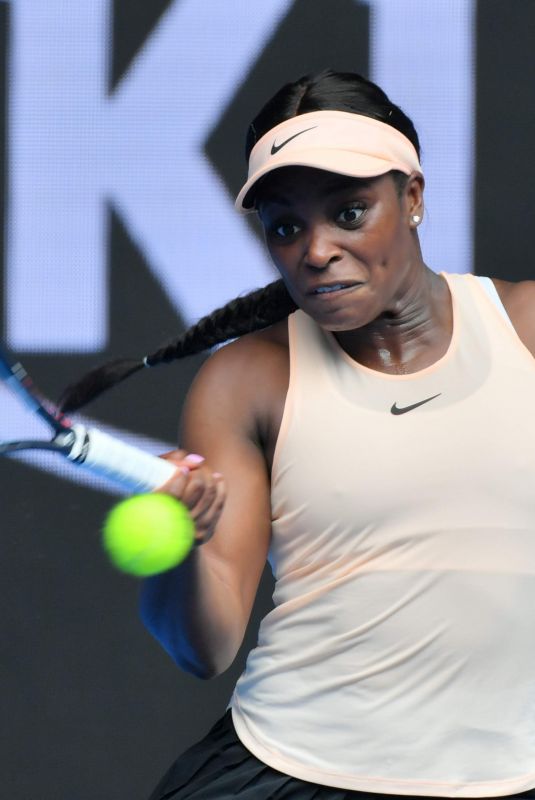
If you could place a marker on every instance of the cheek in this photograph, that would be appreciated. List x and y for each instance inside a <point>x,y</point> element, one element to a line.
<point>387,246</point>
<point>285,271</point>
<point>283,261</point>
<point>375,250</point>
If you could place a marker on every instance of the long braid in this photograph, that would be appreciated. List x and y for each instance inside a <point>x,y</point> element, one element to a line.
<point>252,312</point>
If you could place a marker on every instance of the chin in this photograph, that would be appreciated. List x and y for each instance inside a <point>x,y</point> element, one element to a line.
<point>339,317</point>
<point>337,323</point>
<point>347,312</point>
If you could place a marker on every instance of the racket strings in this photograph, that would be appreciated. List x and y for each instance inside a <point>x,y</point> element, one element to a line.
<point>21,427</point>
<point>50,413</point>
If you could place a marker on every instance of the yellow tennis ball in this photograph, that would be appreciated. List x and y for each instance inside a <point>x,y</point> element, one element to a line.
<point>148,533</point>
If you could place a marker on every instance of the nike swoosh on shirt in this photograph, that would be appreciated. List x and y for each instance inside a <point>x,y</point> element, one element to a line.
<point>396,410</point>
<point>276,147</point>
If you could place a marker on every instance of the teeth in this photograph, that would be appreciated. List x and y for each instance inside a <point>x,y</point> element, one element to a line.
<point>323,289</point>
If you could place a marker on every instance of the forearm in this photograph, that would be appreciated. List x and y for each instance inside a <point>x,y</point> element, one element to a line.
<point>195,615</point>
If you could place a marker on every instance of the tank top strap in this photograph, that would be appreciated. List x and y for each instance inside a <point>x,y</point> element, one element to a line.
<point>488,317</point>
<point>309,347</point>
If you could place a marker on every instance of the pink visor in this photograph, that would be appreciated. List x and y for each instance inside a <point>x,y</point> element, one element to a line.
<point>336,141</point>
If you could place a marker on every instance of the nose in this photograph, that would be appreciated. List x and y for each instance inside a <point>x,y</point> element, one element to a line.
<point>321,246</point>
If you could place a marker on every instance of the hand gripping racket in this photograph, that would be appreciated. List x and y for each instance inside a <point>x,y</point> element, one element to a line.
<point>99,452</point>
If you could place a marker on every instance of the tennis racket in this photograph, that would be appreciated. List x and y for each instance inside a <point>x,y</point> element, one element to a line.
<point>95,450</point>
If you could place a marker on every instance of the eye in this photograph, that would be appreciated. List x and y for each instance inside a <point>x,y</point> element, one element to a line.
<point>284,230</point>
<point>351,215</point>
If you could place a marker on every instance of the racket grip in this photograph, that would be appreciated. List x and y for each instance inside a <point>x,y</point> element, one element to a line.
<point>133,468</point>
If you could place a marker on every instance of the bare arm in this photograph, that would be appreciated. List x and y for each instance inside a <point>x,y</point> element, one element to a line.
<point>199,611</point>
<point>519,302</point>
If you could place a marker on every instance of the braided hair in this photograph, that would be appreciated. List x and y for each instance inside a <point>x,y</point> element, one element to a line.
<point>327,90</point>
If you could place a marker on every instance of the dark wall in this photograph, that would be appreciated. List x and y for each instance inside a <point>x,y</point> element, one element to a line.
<point>92,707</point>
<point>505,131</point>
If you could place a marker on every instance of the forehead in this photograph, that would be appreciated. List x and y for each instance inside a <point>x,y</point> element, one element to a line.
<point>287,184</point>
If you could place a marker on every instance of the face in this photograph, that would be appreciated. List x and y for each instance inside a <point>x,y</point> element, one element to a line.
<point>345,247</point>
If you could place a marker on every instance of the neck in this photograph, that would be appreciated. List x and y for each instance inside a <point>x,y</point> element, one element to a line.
<point>414,329</point>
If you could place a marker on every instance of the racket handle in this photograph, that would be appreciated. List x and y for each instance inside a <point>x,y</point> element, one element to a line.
<point>133,468</point>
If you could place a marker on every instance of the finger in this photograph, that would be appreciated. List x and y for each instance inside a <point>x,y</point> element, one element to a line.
<point>206,522</point>
<point>182,457</point>
<point>201,500</point>
<point>200,489</point>
<point>176,456</point>
<point>194,461</point>
<point>177,483</point>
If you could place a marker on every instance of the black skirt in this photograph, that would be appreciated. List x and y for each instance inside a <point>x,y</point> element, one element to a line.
<point>219,767</point>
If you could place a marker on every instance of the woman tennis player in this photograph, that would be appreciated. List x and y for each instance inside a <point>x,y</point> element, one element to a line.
<point>370,431</point>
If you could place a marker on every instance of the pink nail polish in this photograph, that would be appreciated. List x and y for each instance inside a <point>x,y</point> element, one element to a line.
<point>193,458</point>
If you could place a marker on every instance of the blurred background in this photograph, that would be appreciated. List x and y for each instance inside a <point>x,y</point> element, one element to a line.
<point>121,147</point>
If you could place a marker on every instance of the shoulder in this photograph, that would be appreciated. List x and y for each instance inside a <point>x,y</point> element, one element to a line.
<point>519,302</point>
<point>256,352</point>
<point>247,377</point>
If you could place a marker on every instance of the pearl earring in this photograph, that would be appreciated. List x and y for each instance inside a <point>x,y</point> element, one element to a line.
<point>416,219</point>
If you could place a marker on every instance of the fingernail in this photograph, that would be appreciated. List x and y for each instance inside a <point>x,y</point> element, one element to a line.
<point>193,458</point>
<point>184,470</point>
<point>217,474</point>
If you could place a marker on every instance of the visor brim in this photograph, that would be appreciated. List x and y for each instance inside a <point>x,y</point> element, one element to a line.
<point>341,162</point>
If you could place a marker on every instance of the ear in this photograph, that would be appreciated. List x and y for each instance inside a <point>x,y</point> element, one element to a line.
<point>414,199</point>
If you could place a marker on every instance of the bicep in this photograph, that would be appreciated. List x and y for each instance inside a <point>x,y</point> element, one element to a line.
<point>218,423</point>
<point>519,302</point>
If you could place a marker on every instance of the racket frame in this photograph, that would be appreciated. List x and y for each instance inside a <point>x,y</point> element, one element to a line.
<point>13,374</point>
<point>99,452</point>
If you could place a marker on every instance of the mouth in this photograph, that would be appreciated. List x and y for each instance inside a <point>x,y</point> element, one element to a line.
<point>333,288</point>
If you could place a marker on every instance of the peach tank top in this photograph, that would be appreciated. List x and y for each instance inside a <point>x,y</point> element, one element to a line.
<point>400,655</point>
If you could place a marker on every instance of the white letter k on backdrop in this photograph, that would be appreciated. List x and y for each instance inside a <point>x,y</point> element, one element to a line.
<point>72,147</point>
